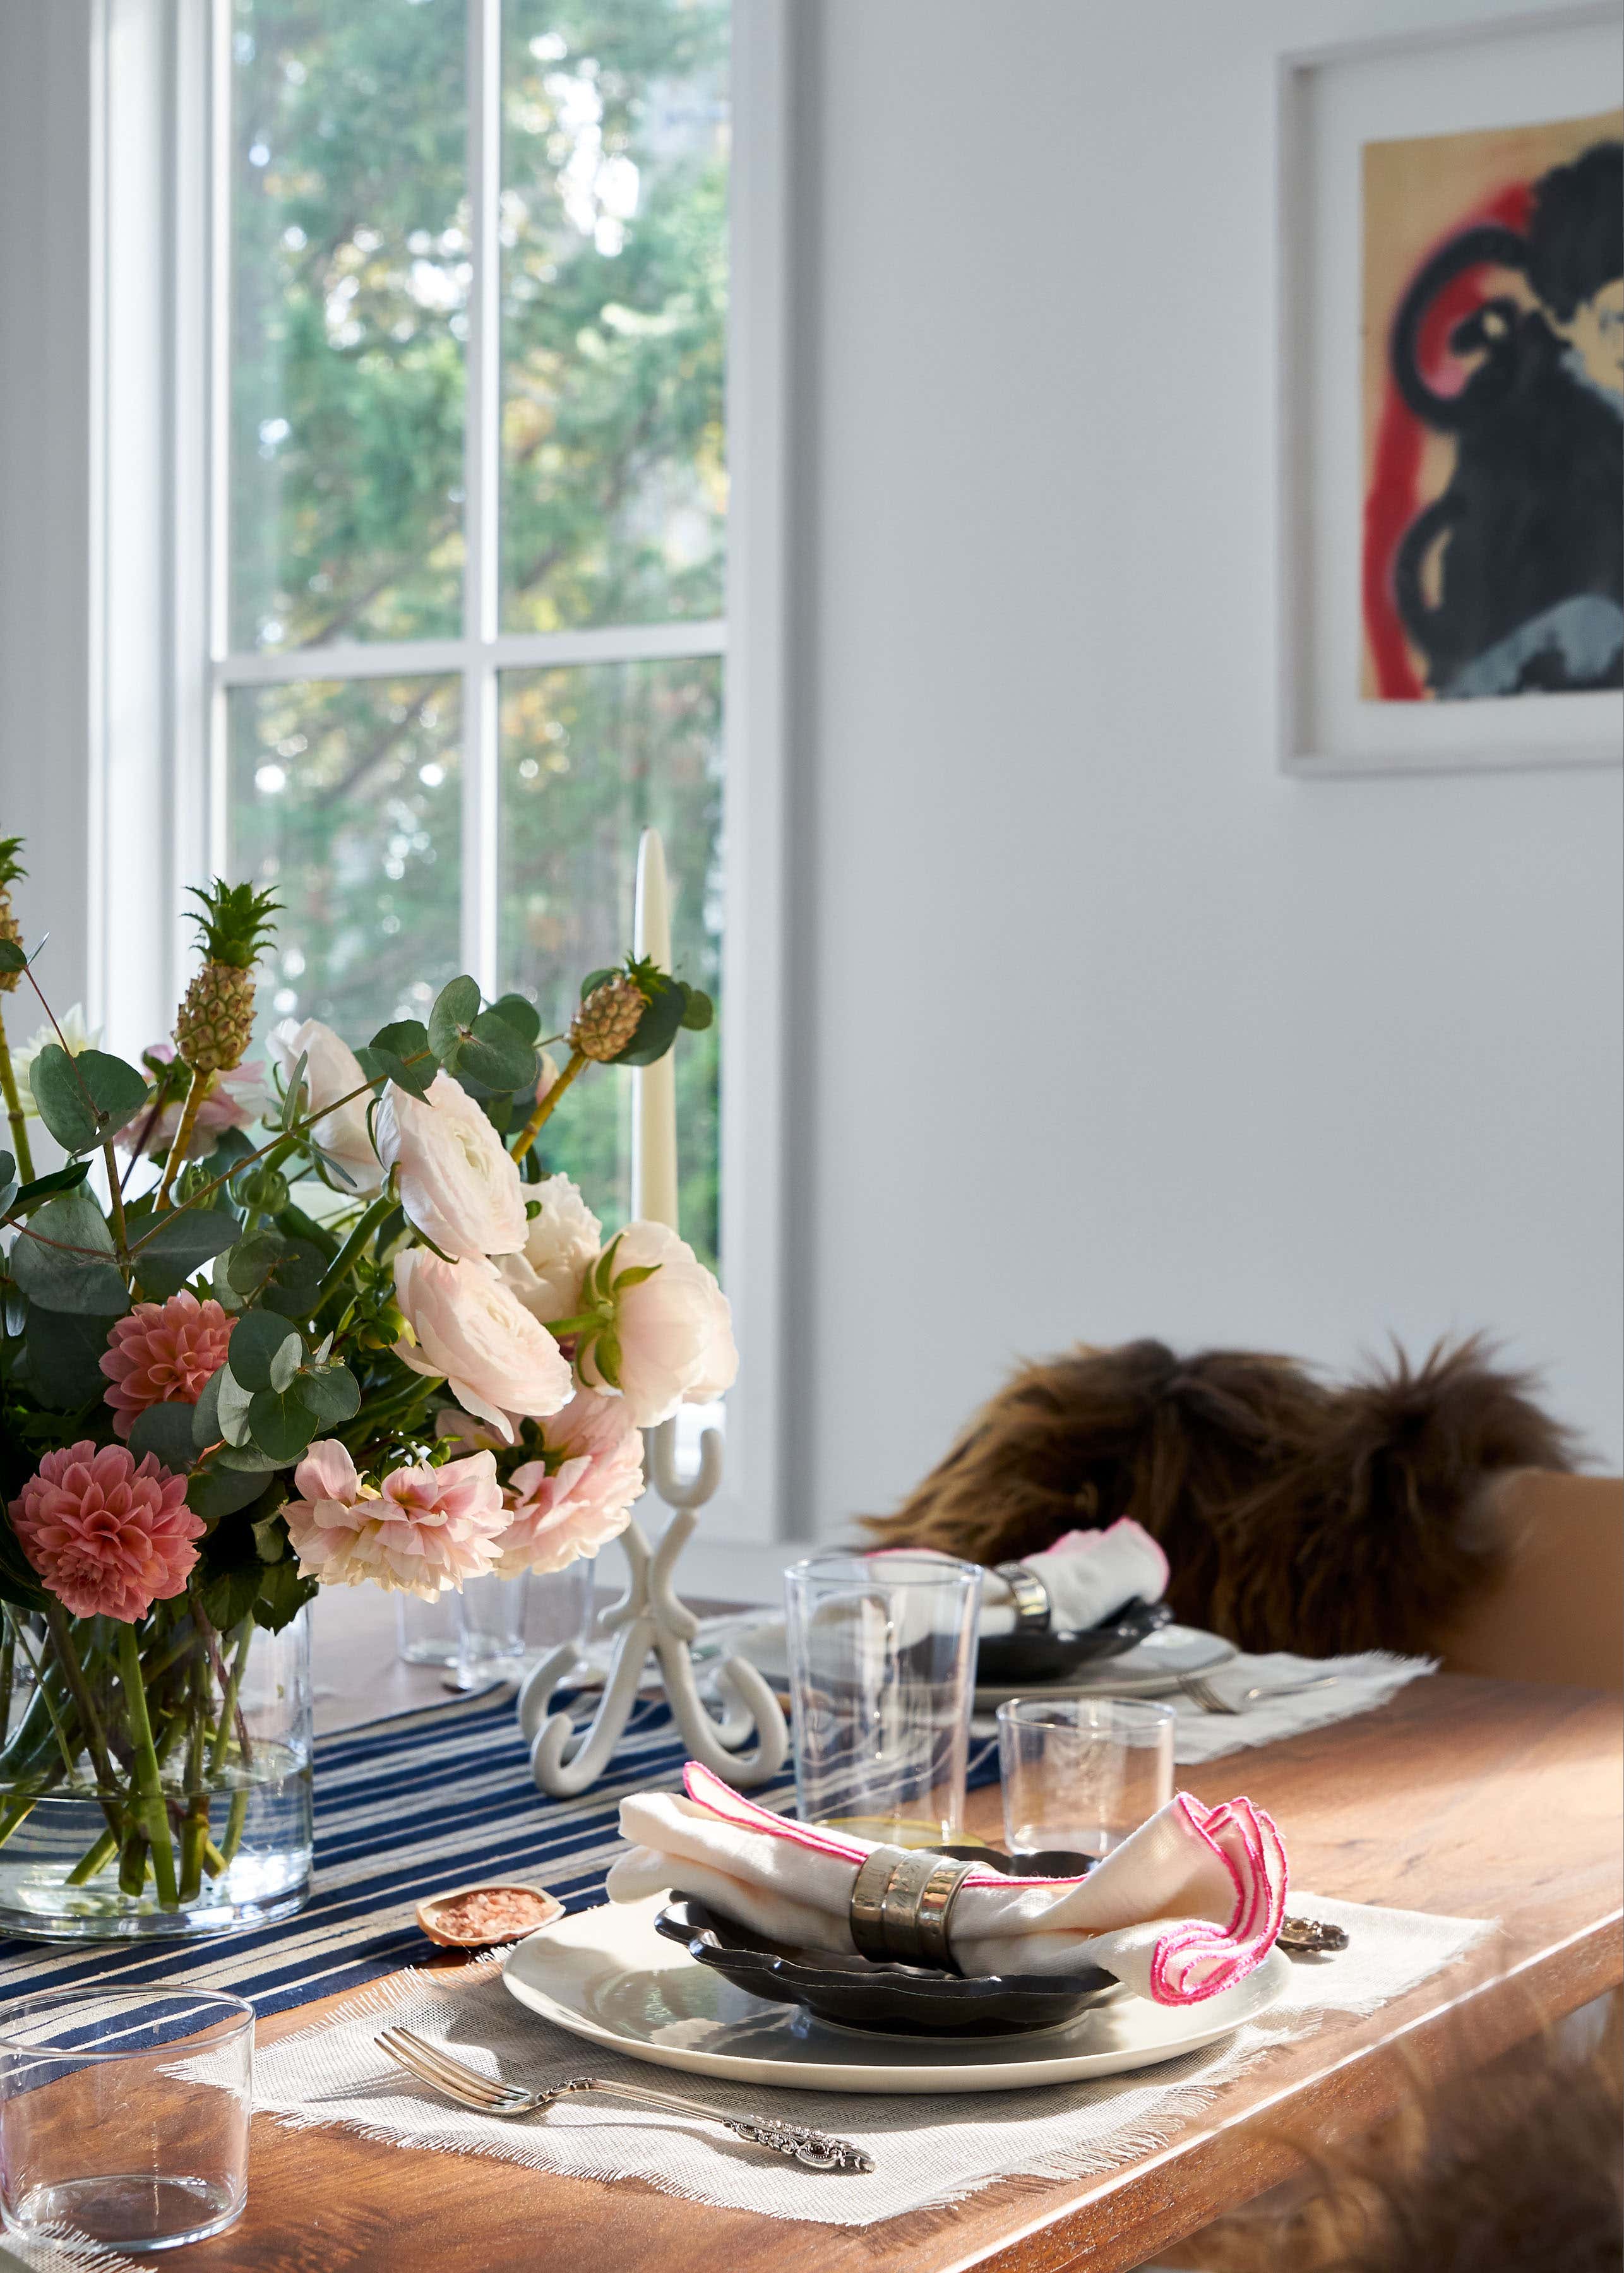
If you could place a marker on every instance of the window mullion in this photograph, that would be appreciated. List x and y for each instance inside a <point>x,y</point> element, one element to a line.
<point>481,469</point>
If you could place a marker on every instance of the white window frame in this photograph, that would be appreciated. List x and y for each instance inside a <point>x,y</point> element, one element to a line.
<point>158,142</point>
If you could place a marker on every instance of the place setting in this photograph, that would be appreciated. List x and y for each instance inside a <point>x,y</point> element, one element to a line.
<point>886,2007</point>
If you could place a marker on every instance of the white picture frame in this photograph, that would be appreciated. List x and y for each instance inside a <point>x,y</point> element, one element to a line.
<point>1561,62</point>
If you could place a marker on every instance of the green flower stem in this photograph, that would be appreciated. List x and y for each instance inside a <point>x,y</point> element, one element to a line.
<point>147,1778</point>
<point>228,1704</point>
<point>96,1859</point>
<point>338,1270</point>
<point>14,1109</point>
<point>213,1861</point>
<point>8,1662</point>
<point>116,1205</point>
<point>197,1090</point>
<point>132,1863</point>
<point>13,1811</point>
<point>90,1720</point>
<point>194,1825</point>
<point>533,1126</point>
<point>235,1822</point>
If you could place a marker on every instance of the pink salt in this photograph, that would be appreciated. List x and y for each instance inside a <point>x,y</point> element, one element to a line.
<point>493,1914</point>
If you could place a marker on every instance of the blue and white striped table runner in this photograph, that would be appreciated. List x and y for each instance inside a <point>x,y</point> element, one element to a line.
<point>404,1808</point>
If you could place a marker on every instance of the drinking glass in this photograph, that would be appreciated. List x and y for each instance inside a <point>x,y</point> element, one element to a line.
<point>882,1662</point>
<point>496,1625</point>
<point>123,2115</point>
<point>1081,1772</point>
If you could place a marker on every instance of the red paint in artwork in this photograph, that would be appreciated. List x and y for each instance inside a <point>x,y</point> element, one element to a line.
<point>1393,497</point>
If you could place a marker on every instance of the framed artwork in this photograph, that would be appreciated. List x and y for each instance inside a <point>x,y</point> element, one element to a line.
<point>1452,359</point>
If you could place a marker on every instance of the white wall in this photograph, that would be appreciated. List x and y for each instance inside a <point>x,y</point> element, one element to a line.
<point>1105,1027</point>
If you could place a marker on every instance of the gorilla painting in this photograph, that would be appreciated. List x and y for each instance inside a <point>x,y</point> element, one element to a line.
<point>1494,412</point>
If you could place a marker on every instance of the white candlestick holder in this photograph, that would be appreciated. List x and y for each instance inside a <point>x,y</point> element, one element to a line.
<point>749,1744</point>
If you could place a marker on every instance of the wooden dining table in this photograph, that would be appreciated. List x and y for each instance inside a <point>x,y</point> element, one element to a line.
<point>1465,1797</point>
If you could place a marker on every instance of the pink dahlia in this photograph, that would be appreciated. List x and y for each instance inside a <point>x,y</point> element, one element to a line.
<point>425,1530</point>
<point>109,1538</point>
<point>163,1353</point>
<point>585,1502</point>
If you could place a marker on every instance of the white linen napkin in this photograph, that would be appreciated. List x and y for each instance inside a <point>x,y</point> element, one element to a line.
<point>1087,1575</point>
<point>1186,1906</point>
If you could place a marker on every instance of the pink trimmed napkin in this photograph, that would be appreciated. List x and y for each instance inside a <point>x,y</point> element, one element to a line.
<point>1185,1907</point>
<point>1088,1576</point>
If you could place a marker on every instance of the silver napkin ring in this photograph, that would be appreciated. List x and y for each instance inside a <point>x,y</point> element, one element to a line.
<point>1032,1608</point>
<point>902,1898</point>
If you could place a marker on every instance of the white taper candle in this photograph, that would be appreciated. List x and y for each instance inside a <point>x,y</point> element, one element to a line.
<point>654,1121</point>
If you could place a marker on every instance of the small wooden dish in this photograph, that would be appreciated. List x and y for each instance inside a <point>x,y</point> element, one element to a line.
<point>453,1935</point>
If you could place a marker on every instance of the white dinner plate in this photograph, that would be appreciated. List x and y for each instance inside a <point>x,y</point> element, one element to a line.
<point>608,1976</point>
<point>1153,1667</point>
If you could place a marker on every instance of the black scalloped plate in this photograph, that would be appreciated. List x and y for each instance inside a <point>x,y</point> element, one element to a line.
<point>854,1993</point>
<point>1017,1657</point>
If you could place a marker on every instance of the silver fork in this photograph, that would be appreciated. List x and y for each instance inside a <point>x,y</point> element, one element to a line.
<point>1202,1692</point>
<point>819,2150</point>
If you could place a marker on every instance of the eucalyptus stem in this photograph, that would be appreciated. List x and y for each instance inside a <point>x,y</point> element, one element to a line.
<point>116,1206</point>
<point>8,1662</point>
<point>194,1825</point>
<point>14,1108</point>
<point>90,1719</point>
<point>13,1811</point>
<point>227,1702</point>
<point>148,1782</point>
<point>198,1089</point>
<point>533,1126</point>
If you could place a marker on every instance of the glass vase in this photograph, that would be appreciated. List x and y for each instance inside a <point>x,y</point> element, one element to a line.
<point>154,1777</point>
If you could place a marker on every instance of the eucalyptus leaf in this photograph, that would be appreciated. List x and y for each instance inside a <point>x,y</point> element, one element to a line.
<point>87,1098</point>
<point>247,1460</point>
<point>518,1012</point>
<point>20,1582</point>
<point>456,1006</point>
<point>390,1053</point>
<point>8,1181</point>
<point>60,1180</point>
<point>56,1277</point>
<point>270,1535</point>
<point>296,1279</point>
<point>283,1594</point>
<point>165,1429</point>
<point>65,1353</point>
<point>205,1423</point>
<point>282,1424</point>
<point>182,1243</point>
<point>231,1404</point>
<point>494,1056</point>
<point>698,1011</point>
<point>11,956</point>
<point>215,1491</point>
<point>260,1340</point>
<point>331,1392</point>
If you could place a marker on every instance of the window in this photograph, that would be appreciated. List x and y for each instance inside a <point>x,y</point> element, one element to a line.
<point>470,517</point>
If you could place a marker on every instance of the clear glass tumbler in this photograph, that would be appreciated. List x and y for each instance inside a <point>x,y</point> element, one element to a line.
<point>496,1625</point>
<point>123,2115</point>
<point>1081,1772</point>
<point>882,1665</point>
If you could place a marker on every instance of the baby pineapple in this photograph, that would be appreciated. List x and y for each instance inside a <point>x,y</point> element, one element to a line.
<point>608,1019</point>
<point>11,869</point>
<point>216,1018</point>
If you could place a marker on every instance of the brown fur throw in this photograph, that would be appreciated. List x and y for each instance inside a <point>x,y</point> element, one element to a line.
<point>1296,1514</point>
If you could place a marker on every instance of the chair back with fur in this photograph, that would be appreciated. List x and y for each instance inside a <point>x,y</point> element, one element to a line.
<point>1295,1513</point>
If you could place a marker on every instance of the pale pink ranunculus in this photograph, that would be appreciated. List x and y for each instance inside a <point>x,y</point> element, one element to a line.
<point>109,1537</point>
<point>456,1181</point>
<point>163,1353</point>
<point>479,1340</point>
<point>675,1329</point>
<point>332,1070</point>
<point>588,1498</point>
<point>559,1244</point>
<point>424,1531</point>
<point>236,1099</point>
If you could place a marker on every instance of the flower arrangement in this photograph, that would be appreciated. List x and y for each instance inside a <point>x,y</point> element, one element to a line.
<point>323,1321</point>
